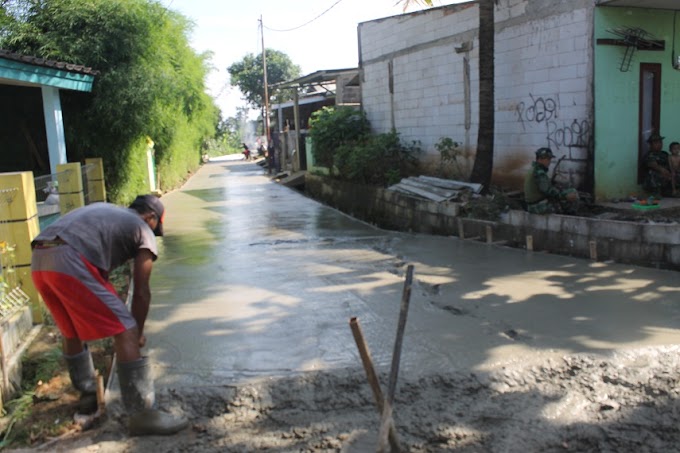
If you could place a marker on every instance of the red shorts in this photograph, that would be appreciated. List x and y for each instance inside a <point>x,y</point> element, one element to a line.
<point>84,304</point>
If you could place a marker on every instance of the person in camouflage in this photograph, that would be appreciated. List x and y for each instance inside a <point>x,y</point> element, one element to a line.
<point>658,179</point>
<point>540,194</point>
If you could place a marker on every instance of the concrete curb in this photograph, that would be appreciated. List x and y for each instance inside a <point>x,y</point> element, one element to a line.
<point>645,244</point>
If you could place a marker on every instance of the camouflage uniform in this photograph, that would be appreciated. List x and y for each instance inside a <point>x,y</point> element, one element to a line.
<point>654,183</point>
<point>542,197</point>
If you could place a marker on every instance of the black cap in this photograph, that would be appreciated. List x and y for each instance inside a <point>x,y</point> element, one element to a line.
<point>146,203</point>
<point>655,137</point>
<point>542,153</point>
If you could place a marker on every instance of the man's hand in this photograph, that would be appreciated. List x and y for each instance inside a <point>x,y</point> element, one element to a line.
<point>142,341</point>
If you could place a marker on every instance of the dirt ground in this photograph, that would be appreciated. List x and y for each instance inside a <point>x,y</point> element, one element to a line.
<point>44,407</point>
<point>627,402</point>
<point>47,404</point>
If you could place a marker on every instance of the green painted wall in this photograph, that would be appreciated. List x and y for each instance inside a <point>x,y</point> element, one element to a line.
<point>617,97</point>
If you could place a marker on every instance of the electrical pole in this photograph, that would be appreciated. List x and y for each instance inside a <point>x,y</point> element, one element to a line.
<point>266,90</point>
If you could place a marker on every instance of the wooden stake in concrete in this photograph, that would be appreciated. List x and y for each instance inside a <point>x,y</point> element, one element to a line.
<point>372,376</point>
<point>386,419</point>
<point>593,250</point>
<point>489,234</point>
<point>101,401</point>
<point>461,231</point>
<point>530,243</point>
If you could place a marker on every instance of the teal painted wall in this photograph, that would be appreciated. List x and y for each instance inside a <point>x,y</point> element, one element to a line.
<point>617,97</point>
<point>310,159</point>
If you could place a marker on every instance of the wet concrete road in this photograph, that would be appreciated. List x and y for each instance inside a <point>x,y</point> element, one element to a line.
<point>256,280</point>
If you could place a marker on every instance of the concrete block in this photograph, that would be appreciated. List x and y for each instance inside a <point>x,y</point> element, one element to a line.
<point>70,178</point>
<point>564,73</point>
<point>431,221</point>
<point>379,193</point>
<point>538,222</point>
<point>431,206</point>
<point>575,225</point>
<point>581,44</point>
<point>673,255</point>
<point>449,209</point>
<point>612,229</point>
<point>554,222</point>
<point>20,235</point>
<point>517,218</point>
<point>95,169</point>
<point>572,58</point>
<point>96,191</point>
<point>17,196</point>
<point>565,45</point>
<point>389,195</point>
<point>661,234</point>
<point>578,153</point>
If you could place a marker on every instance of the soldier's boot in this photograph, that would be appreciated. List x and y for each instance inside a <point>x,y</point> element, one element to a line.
<point>83,378</point>
<point>138,394</point>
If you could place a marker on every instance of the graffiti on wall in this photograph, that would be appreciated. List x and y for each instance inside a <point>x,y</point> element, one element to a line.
<point>545,112</point>
<point>538,110</point>
<point>574,135</point>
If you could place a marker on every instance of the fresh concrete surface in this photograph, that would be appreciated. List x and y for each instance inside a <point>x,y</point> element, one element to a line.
<point>256,280</point>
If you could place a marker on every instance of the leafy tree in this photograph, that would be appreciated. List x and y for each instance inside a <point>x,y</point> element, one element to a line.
<point>151,83</point>
<point>5,16</point>
<point>229,131</point>
<point>248,76</point>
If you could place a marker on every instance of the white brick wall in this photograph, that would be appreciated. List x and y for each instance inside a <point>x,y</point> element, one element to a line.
<point>543,78</point>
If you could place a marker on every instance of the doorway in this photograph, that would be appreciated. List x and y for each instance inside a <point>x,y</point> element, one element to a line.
<point>650,110</point>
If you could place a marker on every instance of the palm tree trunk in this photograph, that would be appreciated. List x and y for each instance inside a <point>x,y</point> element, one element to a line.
<point>483,166</point>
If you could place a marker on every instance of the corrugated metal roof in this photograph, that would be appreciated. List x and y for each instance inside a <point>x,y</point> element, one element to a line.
<point>435,189</point>
<point>317,77</point>
<point>53,64</point>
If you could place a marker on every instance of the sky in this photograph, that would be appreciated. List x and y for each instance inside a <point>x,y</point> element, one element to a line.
<point>230,30</point>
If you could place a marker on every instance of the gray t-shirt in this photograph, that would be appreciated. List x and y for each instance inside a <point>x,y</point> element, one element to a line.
<point>105,234</point>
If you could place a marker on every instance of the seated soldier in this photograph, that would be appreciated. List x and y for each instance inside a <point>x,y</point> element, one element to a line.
<point>674,164</point>
<point>658,179</point>
<point>540,194</point>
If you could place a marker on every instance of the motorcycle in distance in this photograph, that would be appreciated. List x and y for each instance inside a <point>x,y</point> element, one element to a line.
<point>246,152</point>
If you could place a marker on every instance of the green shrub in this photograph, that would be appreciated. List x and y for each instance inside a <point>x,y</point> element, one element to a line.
<point>334,127</point>
<point>342,143</point>
<point>133,181</point>
<point>449,152</point>
<point>182,156</point>
<point>379,160</point>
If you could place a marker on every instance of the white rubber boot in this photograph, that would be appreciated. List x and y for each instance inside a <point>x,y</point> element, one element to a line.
<point>137,391</point>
